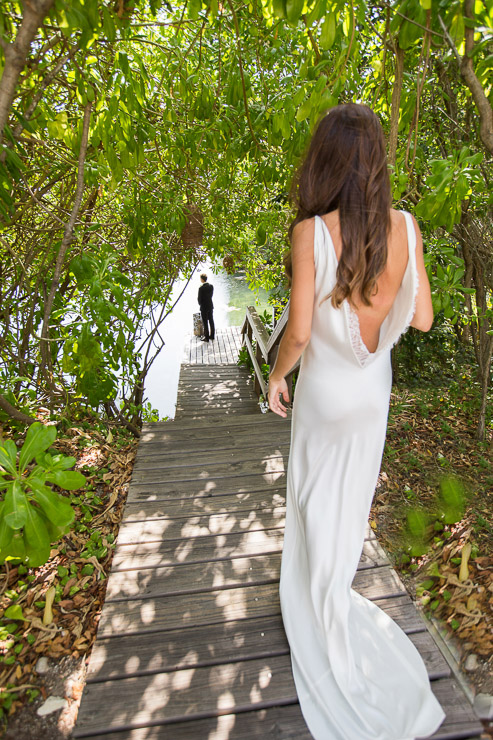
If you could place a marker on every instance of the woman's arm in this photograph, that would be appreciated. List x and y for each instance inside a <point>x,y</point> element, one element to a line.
<point>298,328</point>
<point>423,315</point>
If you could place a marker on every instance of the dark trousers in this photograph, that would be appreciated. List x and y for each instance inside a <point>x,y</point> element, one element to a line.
<point>208,322</point>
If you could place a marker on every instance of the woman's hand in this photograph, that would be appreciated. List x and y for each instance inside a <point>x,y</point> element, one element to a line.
<point>277,387</point>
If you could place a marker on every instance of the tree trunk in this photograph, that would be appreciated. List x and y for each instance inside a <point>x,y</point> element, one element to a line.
<point>16,54</point>
<point>472,82</point>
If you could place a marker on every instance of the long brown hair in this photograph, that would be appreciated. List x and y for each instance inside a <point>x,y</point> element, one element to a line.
<point>345,168</point>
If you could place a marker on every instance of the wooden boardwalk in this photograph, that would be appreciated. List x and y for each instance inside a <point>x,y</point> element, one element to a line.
<point>207,392</point>
<point>191,644</point>
<point>224,349</point>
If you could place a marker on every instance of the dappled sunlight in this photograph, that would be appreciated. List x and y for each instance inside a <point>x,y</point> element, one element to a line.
<point>232,603</point>
<point>221,524</point>
<point>225,724</point>
<point>182,679</point>
<point>183,550</point>
<point>274,466</point>
<point>132,664</point>
<point>147,612</point>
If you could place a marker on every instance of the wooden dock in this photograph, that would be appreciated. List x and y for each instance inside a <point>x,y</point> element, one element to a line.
<point>224,349</point>
<point>191,644</point>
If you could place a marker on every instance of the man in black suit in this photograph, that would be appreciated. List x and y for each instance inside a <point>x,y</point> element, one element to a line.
<point>206,308</point>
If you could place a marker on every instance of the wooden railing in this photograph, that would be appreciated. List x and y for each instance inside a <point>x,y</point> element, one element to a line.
<point>266,347</point>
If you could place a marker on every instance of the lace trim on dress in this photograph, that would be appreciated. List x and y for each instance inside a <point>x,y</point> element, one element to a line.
<point>360,349</point>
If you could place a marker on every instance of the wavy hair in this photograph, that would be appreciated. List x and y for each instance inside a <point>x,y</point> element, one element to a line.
<point>345,168</point>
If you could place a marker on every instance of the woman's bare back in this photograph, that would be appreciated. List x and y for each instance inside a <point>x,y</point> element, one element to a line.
<point>372,317</point>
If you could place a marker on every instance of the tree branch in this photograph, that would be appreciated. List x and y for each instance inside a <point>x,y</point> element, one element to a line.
<point>66,241</point>
<point>15,413</point>
<point>240,62</point>
<point>469,77</point>
<point>396,100</point>
<point>16,54</point>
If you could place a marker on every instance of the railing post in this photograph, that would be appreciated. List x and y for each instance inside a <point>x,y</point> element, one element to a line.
<point>260,360</point>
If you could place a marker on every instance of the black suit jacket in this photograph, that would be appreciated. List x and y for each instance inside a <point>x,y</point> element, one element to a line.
<point>205,296</point>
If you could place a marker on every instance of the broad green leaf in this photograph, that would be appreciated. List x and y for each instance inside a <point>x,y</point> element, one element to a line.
<point>304,110</point>
<point>36,538</point>
<point>328,33</point>
<point>71,480</point>
<point>15,508</point>
<point>55,462</point>
<point>319,10</point>
<point>55,507</point>
<point>294,9</point>
<point>6,533</point>
<point>8,456</point>
<point>279,8</point>
<point>38,439</point>
<point>17,548</point>
<point>14,612</point>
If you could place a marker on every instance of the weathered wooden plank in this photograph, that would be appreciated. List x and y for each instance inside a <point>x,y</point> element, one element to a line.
<point>182,450</point>
<point>187,442</point>
<point>195,692</point>
<point>226,573</point>
<point>218,605</point>
<point>183,610</point>
<point>461,721</point>
<point>198,577</point>
<point>194,394</point>
<point>281,722</point>
<point>254,541</point>
<point>171,508</point>
<point>225,522</point>
<point>273,464</point>
<point>213,644</point>
<point>152,491</point>
<point>134,655</point>
<point>215,401</point>
<point>166,430</point>
<point>172,696</point>
<point>221,458</point>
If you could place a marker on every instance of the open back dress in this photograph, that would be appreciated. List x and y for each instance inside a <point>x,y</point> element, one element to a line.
<point>357,675</point>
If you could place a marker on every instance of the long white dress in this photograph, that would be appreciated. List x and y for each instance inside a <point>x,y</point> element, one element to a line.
<point>357,675</point>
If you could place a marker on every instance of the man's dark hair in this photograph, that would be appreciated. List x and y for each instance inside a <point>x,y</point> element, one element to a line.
<point>203,277</point>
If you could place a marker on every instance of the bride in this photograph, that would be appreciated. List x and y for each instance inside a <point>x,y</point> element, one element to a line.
<point>358,282</point>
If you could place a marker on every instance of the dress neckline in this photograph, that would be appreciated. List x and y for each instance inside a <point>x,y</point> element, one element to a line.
<point>360,349</point>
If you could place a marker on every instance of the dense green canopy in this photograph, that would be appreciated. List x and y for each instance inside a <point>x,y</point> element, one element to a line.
<point>121,121</point>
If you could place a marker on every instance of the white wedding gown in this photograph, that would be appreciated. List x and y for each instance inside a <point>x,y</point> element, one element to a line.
<point>357,675</point>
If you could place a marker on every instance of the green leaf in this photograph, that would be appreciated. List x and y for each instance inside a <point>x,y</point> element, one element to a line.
<point>38,439</point>
<point>55,462</point>
<point>8,456</point>
<point>71,480</point>
<point>279,8</point>
<point>328,33</point>
<point>55,507</point>
<point>6,532</point>
<point>319,10</point>
<point>15,507</point>
<point>294,9</point>
<point>36,538</point>
<point>14,612</point>
<point>304,110</point>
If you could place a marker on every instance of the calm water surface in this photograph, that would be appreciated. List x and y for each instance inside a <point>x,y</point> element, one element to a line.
<point>231,297</point>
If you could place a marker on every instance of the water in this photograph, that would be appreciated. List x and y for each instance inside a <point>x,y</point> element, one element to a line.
<point>231,297</point>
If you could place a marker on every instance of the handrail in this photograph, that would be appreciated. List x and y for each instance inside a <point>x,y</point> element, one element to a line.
<point>279,328</point>
<point>266,346</point>
<point>259,331</point>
